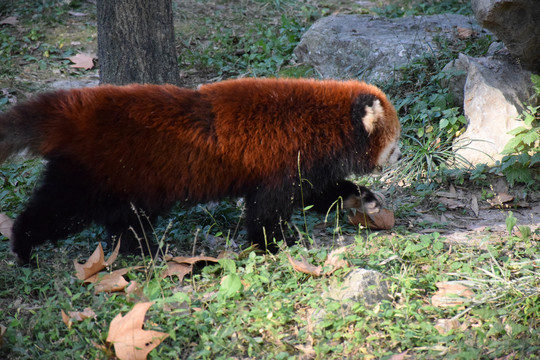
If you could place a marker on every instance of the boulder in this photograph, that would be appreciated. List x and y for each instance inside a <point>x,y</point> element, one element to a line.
<point>516,23</point>
<point>494,91</point>
<point>371,47</point>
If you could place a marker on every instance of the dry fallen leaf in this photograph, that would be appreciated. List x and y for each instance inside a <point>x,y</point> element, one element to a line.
<point>400,356</point>
<point>305,267</point>
<point>95,263</point>
<point>2,332</point>
<point>500,199</point>
<point>182,265</point>
<point>10,20</point>
<point>452,203</point>
<point>6,224</point>
<point>451,193</point>
<point>76,316</point>
<point>443,326</point>
<point>111,282</point>
<point>382,220</point>
<point>130,341</point>
<point>90,272</point>
<point>451,293</point>
<point>83,61</point>
<point>474,205</point>
<point>465,33</point>
<point>192,260</point>
<point>335,260</point>
<point>180,270</point>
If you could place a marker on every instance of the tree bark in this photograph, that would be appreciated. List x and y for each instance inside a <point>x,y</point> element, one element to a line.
<point>136,42</point>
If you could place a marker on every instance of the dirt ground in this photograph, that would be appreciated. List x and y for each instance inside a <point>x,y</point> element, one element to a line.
<point>471,218</point>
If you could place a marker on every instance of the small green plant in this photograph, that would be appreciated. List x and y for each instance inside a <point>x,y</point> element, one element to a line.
<point>523,231</point>
<point>419,7</point>
<point>523,150</point>
<point>430,120</point>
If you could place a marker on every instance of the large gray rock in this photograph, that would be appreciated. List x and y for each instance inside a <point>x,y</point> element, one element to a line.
<point>516,23</point>
<point>493,94</point>
<point>369,47</point>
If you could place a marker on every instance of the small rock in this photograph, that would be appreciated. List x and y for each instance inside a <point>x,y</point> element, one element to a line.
<point>360,285</point>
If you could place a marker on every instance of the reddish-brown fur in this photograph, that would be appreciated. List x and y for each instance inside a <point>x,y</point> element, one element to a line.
<point>156,145</point>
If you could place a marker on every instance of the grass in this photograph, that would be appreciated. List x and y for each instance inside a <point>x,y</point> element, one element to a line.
<point>271,314</point>
<point>256,306</point>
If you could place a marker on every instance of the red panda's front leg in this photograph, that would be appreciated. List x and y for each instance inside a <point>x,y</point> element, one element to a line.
<point>344,193</point>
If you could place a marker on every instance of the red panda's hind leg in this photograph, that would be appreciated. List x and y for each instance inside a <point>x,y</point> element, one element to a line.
<point>267,214</point>
<point>67,200</point>
<point>56,210</point>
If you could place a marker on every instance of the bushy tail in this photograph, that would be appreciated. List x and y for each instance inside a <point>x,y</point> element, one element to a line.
<point>18,131</point>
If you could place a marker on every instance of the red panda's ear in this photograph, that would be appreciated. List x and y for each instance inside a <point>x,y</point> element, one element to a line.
<point>374,113</point>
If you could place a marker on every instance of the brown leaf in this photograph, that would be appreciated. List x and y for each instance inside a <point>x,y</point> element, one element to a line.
<point>382,220</point>
<point>10,20</point>
<point>66,319</point>
<point>451,203</point>
<point>95,263</point>
<point>129,339</point>
<point>500,199</point>
<point>451,193</point>
<point>92,266</point>
<point>192,260</point>
<point>176,269</point>
<point>474,205</point>
<point>451,293</point>
<point>400,356</point>
<point>2,332</point>
<point>76,316</point>
<point>465,33</point>
<point>444,326</point>
<point>335,260</point>
<point>110,282</point>
<point>6,224</point>
<point>83,61</point>
<point>114,255</point>
<point>305,267</point>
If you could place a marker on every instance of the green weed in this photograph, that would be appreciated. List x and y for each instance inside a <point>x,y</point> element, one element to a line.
<point>520,165</point>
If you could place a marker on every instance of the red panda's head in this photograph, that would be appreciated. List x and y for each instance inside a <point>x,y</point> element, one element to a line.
<point>381,125</point>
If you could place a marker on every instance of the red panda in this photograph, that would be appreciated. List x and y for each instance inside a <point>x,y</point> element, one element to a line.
<point>111,148</point>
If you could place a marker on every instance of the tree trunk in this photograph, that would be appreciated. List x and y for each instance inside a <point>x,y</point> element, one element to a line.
<point>136,42</point>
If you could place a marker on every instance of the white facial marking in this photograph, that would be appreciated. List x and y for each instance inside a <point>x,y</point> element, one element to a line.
<point>390,154</point>
<point>373,114</point>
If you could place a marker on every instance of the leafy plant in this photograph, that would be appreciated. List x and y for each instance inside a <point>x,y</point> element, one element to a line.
<point>418,7</point>
<point>523,150</point>
<point>255,50</point>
